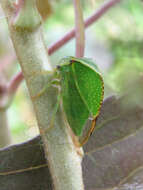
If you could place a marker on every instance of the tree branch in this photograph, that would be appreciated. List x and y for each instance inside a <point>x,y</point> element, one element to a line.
<point>63,160</point>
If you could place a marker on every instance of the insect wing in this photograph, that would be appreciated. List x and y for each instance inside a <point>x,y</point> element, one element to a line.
<point>89,83</point>
<point>74,107</point>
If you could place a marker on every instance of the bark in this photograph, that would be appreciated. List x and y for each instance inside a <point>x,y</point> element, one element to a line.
<point>61,154</point>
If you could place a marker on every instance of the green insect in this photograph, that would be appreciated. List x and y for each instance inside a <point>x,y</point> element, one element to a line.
<point>81,91</point>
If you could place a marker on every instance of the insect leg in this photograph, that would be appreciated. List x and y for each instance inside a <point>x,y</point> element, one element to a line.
<point>42,91</point>
<point>52,81</point>
<point>51,125</point>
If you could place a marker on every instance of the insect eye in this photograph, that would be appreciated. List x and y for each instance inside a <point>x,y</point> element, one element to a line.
<point>58,67</point>
<point>71,61</point>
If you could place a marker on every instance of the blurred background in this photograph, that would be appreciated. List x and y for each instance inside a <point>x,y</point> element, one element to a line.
<point>115,42</point>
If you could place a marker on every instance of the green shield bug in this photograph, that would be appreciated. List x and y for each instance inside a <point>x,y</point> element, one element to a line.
<point>81,91</point>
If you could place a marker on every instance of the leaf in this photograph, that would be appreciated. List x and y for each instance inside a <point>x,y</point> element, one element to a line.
<point>115,150</point>
<point>113,155</point>
<point>133,181</point>
<point>115,122</point>
<point>23,156</point>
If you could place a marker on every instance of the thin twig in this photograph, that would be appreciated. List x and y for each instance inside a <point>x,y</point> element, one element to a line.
<point>9,91</point>
<point>6,62</point>
<point>90,20</point>
<point>79,29</point>
<point>14,83</point>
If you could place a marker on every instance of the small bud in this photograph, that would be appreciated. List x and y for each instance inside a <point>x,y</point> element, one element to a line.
<point>27,16</point>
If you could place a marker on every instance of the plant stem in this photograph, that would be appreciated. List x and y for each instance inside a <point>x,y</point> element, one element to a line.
<point>14,84</point>
<point>63,160</point>
<point>5,137</point>
<point>79,28</point>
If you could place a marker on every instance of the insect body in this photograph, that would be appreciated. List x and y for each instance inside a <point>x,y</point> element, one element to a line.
<point>81,91</point>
